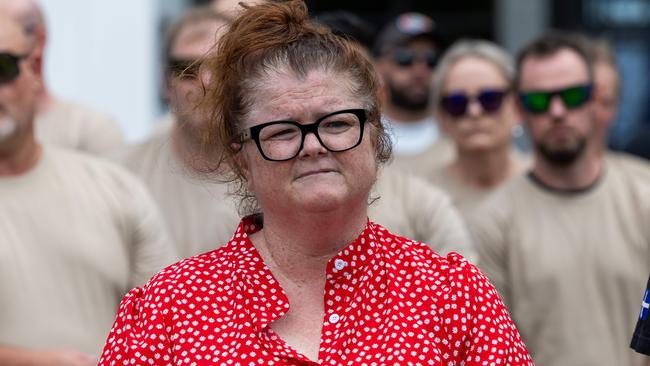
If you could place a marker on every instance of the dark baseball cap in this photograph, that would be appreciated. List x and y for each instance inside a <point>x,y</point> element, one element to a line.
<point>404,28</point>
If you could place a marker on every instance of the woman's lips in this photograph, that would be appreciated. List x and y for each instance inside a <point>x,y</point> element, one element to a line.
<point>314,172</point>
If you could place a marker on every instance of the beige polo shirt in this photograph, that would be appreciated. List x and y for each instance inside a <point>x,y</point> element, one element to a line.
<point>571,266</point>
<point>441,153</point>
<point>199,212</point>
<point>74,126</point>
<point>410,207</point>
<point>76,233</point>
<point>464,197</point>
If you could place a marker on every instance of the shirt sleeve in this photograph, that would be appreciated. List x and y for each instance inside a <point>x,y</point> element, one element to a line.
<point>150,246</point>
<point>437,221</point>
<point>487,227</point>
<point>139,335</point>
<point>479,325</point>
<point>102,135</point>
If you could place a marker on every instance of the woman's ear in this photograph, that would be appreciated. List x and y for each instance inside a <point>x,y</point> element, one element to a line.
<point>241,159</point>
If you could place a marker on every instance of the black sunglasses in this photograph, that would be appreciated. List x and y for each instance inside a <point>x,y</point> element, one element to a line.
<point>9,67</point>
<point>539,101</point>
<point>455,104</point>
<point>183,68</point>
<point>405,57</point>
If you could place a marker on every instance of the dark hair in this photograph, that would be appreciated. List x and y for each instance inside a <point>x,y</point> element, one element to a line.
<point>549,44</point>
<point>264,39</point>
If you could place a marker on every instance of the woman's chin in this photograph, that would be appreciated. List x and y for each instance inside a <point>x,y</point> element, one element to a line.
<point>323,200</point>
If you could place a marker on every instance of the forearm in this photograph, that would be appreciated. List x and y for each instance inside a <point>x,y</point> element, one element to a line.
<point>11,356</point>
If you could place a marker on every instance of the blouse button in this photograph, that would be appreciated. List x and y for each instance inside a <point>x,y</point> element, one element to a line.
<point>334,318</point>
<point>339,264</point>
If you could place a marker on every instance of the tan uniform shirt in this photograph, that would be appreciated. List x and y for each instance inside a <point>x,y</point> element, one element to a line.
<point>410,207</point>
<point>76,233</point>
<point>466,198</point>
<point>570,266</point>
<point>439,154</point>
<point>199,213</point>
<point>77,127</point>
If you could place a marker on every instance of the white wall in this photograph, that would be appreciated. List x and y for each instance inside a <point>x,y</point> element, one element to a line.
<point>104,53</point>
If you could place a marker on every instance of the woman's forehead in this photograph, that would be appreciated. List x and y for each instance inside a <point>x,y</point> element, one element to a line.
<point>287,96</point>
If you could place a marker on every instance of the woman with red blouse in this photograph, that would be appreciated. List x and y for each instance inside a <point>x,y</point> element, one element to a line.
<point>307,279</point>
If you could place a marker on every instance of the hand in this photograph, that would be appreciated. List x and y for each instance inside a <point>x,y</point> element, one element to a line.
<point>64,357</point>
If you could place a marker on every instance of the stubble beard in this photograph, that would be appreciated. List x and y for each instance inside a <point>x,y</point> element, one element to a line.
<point>565,156</point>
<point>401,99</point>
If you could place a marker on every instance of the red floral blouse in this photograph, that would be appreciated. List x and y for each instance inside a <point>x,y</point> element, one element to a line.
<point>388,301</point>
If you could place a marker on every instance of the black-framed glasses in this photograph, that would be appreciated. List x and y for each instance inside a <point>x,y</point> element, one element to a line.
<point>9,66</point>
<point>539,101</point>
<point>282,140</point>
<point>405,57</point>
<point>455,104</point>
<point>184,68</point>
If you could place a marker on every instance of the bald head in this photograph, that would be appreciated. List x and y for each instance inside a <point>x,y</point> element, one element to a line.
<point>28,14</point>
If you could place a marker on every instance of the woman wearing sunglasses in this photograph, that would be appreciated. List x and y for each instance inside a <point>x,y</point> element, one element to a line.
<point>307,279</point>
<point>475,107</point>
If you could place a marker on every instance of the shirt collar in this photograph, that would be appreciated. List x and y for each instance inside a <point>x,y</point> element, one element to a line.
<point>264,299</point>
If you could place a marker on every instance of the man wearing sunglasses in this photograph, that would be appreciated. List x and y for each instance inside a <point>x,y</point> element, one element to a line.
<point>76,232</point>
<point>60,122</point>
<point>406,52</point>
<point>198,213</point>
<point>567,245</point>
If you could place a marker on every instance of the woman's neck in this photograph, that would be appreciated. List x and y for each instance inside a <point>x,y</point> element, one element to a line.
<point>299,245</point>
<point>484,170</point>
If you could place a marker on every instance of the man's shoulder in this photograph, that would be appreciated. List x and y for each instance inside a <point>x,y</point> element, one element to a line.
<point>632,166</point>
<point>138,156</point>
<point>79,112</point>
<point>393,180</point>
<point>84,167</point>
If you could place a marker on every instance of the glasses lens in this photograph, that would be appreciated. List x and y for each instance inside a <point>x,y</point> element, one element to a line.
<point>280,140</point>
<point>340,132</point>
<point>576,96</point>
<point>403,57</point>
<point>454,104</point>
<point>9,69</point>
<point>491,100</point>
<point>536,102</point>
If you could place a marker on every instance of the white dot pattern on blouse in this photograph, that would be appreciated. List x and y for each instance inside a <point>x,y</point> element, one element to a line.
<point>388,301</point>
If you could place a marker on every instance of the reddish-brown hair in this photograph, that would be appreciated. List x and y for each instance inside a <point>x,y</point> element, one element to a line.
<point>270,38</point>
